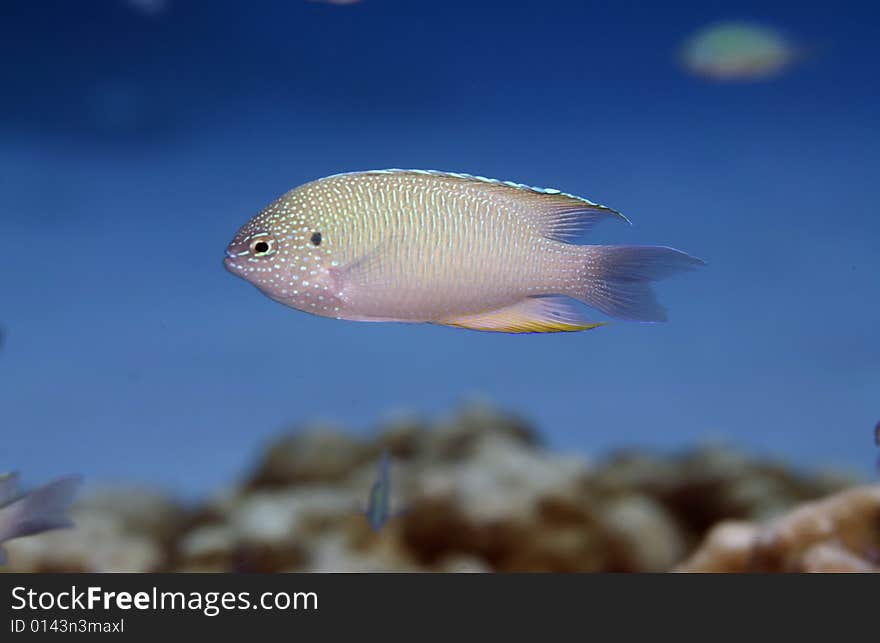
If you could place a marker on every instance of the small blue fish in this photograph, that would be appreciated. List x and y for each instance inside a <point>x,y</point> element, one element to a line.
<point>40,510</point>
<point>378,510</point>
<point>877,442</point>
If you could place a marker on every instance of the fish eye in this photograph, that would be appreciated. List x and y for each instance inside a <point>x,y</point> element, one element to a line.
<point>262,246</point>
<point>316,238</point>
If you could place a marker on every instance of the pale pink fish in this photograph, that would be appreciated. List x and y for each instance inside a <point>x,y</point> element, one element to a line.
<point>36,511</point>
<point>739,51</point>
<point>451,249</point>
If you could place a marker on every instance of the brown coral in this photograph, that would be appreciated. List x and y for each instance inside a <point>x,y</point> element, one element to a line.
<point>840,533</point>
<point>479,494</point>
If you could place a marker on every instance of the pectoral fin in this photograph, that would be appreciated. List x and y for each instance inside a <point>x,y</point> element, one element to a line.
<point>531,315</point>
<point>366,275</point>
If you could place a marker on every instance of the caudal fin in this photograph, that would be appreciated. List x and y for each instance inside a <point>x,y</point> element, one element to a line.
<point>616,280</point>
<point>40,510</point>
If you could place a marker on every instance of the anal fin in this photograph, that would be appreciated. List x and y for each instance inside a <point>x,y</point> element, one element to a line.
<point>531,315</point>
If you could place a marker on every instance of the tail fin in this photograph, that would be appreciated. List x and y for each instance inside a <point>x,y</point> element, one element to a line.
<point>40,510</point>
<point>8,488</point>
<point>616,280</point>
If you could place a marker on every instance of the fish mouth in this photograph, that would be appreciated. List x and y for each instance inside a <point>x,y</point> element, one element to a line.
<point>229,262</point>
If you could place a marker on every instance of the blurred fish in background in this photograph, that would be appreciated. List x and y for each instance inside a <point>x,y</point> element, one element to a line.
<point>378,510</point>
<point>877,442</point>
<point>149,7</point>
<point>730,51</point>
<point>40,510</point>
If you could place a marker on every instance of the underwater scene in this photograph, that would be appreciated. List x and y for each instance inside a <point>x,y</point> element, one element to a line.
<point>451,286</point>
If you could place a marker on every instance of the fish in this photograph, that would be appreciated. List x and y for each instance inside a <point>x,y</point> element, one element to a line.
<point>378,510</point>
<point>40,510</point>
<point>149,7</point>
<point>738,51</point>
<point>423,246</point>
<point>877,442</point>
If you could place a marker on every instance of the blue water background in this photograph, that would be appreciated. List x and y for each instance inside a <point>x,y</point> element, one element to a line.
<point>133,145</point>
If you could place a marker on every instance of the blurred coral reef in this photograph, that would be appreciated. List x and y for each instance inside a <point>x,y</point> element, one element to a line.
<point>478,493</point>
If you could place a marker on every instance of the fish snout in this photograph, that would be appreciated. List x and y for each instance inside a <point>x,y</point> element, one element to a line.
<point>230,263</point>
<point>234,255</point>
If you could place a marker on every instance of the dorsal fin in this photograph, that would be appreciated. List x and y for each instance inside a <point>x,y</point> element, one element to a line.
<point>557,214</point>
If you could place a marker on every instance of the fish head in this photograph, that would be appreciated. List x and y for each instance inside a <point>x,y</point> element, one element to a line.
<point>253,255</point>
<point>284,253</point>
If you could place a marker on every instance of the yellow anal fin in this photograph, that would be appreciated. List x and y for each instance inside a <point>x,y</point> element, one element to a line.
<point>531,315</point>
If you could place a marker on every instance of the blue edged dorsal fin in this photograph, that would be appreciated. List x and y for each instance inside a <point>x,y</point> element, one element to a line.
<point>558,215</point>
